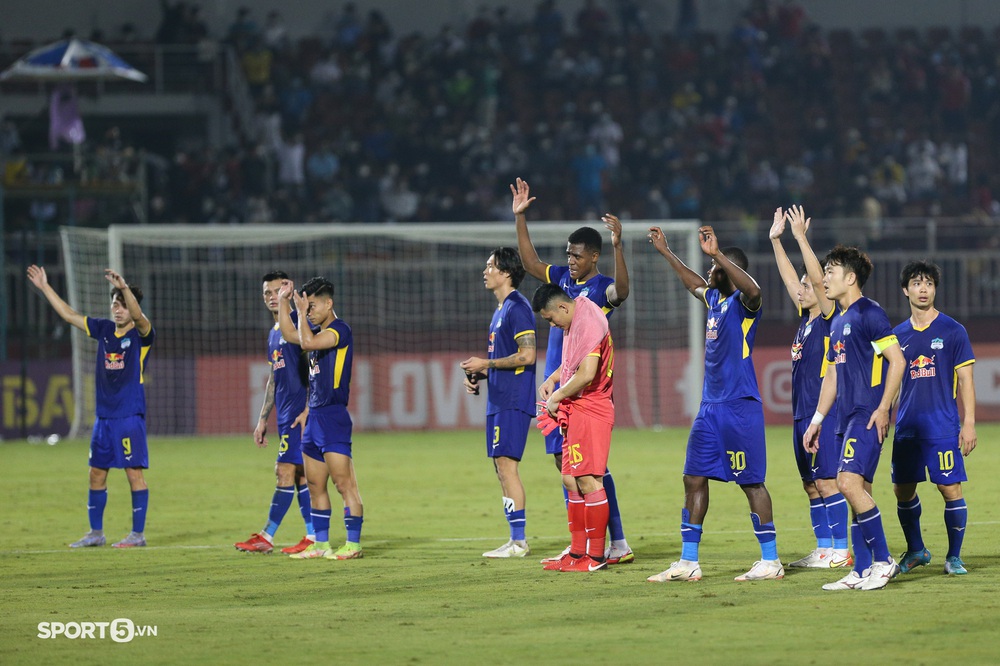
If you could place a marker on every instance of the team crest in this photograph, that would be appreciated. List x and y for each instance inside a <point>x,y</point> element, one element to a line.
<point>126,343</point>
<point>808,330</point>
<point>937,343</point>
<point>847,328</point>
<point>724,307</point>
<point>585,291</point>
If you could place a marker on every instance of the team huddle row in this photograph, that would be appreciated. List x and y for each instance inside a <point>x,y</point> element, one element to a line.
<point>848,367</point>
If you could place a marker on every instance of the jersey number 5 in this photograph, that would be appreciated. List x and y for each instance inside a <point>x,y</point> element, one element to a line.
<point>283,444</point>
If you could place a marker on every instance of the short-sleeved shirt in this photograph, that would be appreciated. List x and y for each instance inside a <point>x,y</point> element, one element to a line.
<point>596,289</point>
<point>730,332</point>
<point>121,361</point>
<point>927,397</point>
<point>596,397</point>
<point>515,388</point>
<point>330,371</point>
<point>291,375</point>
<point>809,349</point>
<point>858,337</point>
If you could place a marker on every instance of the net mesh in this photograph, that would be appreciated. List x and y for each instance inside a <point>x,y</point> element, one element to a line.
<point>413,296</point>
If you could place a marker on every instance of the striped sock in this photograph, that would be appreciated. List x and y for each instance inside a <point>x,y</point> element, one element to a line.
<point>280,501</point>
<point>871,527</point>
<point>690,537</point>
<point>321,521</point>
<point>838,517</point>
<point>909,519</point>
<point>862,553</point>
<point>820,523</point>
<point>767,536</point>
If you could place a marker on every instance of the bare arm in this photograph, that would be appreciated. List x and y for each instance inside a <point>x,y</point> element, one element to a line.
<point>36,274</point>
<point>893,378</point>
<point>800,225</point>
<point>525,355</point>
<point>309,341</point>
<point>533,266</point>
<point>785,269</point>
<point>827,396</point>
<point>749,289</point>
<point>288,329</point>
<point>260,432</point>
<point>693,282</point>
<point>134,311</point>
<point>579,381</point>
<point>967,389</point>
<point>617,291</point>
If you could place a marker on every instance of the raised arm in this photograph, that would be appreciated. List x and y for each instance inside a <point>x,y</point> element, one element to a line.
<point>36,274</point>
<point>134,311</point>
<point>533,266</point>
<point>800,225</point>
<point>288,329</point>
<point>693,282</point>
<point>785,268</point>
<point>619,290</point>
<point>749,289</point>
<point>309,341</point>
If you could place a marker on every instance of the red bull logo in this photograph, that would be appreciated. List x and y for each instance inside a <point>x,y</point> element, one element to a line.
<point>797,351</point>
<point>922,366</point>
<point>493,337</point>
<point>277,360</point>
<point>840,352</point>
<point>710,330</point>
<point>114,360</point>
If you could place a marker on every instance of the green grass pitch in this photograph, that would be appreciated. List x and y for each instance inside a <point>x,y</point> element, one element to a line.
<point>424,595</point>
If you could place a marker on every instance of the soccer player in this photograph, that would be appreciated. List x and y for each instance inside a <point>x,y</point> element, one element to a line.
<point>827,507</point>
<point>286,390</point>
<point>119,436</point>
<point>326,440</point>
<point>861,341</point>
<point>509,371</point>
<point>580,277</point>
<point>726,442</point>
<point>578,394</point>
<point>929,432</point>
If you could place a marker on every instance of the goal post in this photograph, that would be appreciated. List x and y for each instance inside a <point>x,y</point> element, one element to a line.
<point>413,295</point>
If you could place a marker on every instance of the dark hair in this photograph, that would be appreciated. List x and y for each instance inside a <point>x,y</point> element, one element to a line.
<point>116,294</point>
<point>917,269</point>
<point>588,237</point>
<point>547,293</point>
<point>853,260</point>
<point>737,256</point>
<point>274,275</point>
<point>318,286</point>
<point>508,261</point>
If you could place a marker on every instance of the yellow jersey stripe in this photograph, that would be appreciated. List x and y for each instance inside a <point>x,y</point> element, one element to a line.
<point>747,324</point>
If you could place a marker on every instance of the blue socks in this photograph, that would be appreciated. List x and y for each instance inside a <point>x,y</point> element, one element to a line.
<point>353,526</point>
<point>837,515</point>
<point>862,553</point>
<point>690,537</point>
<point>956,514</point>
<point>140,502</point>
<point>767,536</point>
<point>306,509</point>
<point>321,521</point>
<point>515,519</point>
<point>614,515</point>
<point>870,523</point>
<point>96,501</point>
<point>280,502</point>
<point>909,519</point>
<point>820,523</point>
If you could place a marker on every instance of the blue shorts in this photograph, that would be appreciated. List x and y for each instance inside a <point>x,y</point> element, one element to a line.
<point>506,433</point>
<point>823,463</point>
<point>727,442</point>
<point>859,447</point>
<point>327,432</point>
<point>941,457</point>
<point>290,444</point>
<point>554,442</point>
<point>119,443</point>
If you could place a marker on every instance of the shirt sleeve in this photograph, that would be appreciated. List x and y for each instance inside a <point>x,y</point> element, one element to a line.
<point>522,321</point>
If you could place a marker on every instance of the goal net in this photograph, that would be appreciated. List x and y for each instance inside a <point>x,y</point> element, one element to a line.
<point>413,296</point>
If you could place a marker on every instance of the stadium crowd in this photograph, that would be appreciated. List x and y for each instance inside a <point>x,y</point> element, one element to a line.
<point>364,122</point>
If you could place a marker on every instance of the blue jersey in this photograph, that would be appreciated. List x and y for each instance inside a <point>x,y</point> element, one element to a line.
<point>596,289</point>
<point>511,389</point>
<point>927,397</point>
<point>330,371</point>
<point>729,337</point>
<point>121,360</point>
<point>809,349</point>
<point>290,373</point>
<point>858,336</point>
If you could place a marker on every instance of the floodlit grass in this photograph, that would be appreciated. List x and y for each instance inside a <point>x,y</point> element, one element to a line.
<point>423,593</point>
